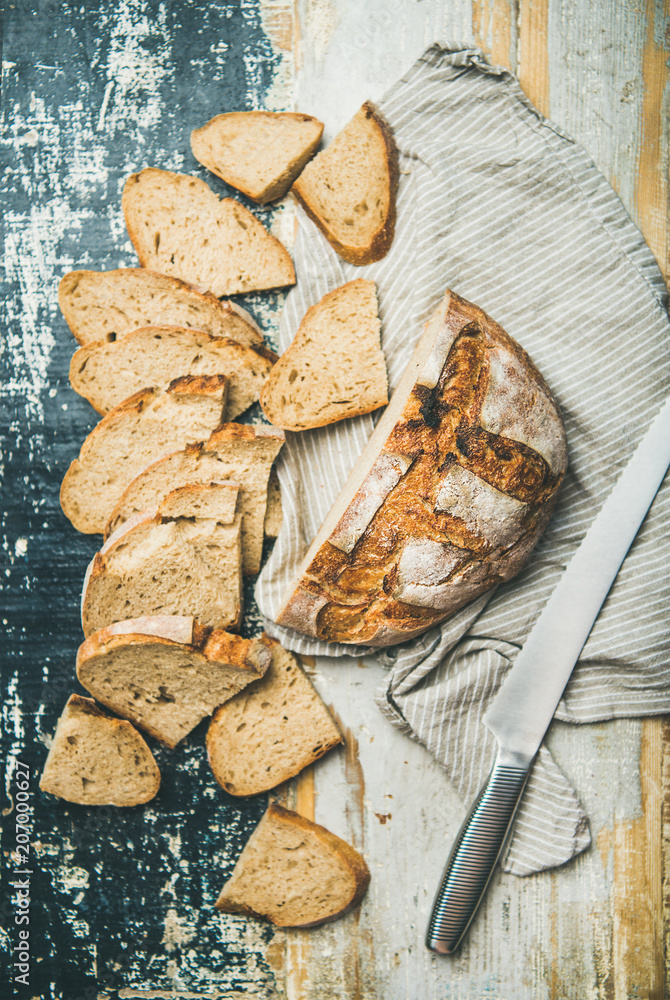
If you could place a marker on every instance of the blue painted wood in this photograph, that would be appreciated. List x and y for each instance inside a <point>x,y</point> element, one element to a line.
<point>91,92</point>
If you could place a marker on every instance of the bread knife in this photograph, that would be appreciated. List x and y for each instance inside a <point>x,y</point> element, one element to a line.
<point>521,712</point>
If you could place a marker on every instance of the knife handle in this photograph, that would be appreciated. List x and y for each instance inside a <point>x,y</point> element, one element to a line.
<point>474,856</point>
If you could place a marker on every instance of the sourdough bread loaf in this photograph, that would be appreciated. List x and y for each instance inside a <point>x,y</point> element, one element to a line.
<point>449,496</point>
<point>159,565</point>
<point>140,429</point>
<point>104,305</point>
<point>258,152</point>
<point>165,674</point>
<point>273,512</point>
<point>349,189</point>
<point>240,452</point>
<point>95,760</point>
<point>295,873</point>
<point>180,227</point>
<point>335,367</point>
<point>107,373</point>
<point>270,731</point>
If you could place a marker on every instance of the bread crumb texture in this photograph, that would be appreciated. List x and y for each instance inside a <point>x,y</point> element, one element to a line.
<point>105,305</point>
<point>97,760</point>
<point>181,228</point>
<point>258,152</point>
<point>349,189</point>
<point>295,873</point>
<point>271,731</point>
<point>335,367</point>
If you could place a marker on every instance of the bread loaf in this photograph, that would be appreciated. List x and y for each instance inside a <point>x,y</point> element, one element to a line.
<point>335,367</point>
<point>258,152</point>
<point>104,305</point>
<point>167,673</point>
<point>96,760</point>
<point>137,431</point>
<point>349,189</point>
<point>449,496</point>
<point>295,873</point>
<point>107,373</point>
<point>180,227</point>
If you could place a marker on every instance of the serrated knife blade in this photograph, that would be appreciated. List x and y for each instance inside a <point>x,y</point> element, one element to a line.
<point>522,710</point>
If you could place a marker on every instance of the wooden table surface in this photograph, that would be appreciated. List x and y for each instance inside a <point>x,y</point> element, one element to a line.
<point>596,928</point>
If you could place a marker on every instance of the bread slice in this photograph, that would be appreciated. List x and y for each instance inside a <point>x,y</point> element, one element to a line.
<point>179,227</point>
<point>335,367</point>
<point>95,760</point>
<point>240,452</point>
<point>271,731</point>
<point>166,673</point>
<point>137,431</point>
<point>258,152</point>
<point>349,188</point>
<point>104,305</point>
<point>294,873</point>
<point>107,373</point>
<point>273,512</point>
<point>449,496</point>
<point>158,565</point>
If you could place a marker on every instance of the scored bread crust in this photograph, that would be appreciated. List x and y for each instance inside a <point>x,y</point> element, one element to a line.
<point>317,366</point>
<point>73,497</point>
<point>286,169</point>
<point>381,241</point>
<point>63,756</point>
<point>347,855</point>
<point>221,318</point>
<point>449,497</point>
<point>172,635</point>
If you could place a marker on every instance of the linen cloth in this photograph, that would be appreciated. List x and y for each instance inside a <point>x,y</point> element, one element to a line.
<point>498,204</point>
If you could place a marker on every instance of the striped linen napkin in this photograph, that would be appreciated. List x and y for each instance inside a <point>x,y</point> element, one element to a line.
<point>496,203</point>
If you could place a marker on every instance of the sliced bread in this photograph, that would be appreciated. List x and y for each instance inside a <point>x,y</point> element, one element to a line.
<point>240,452</point>
<point>270,731</point>
<point>158,565</point>
<point>166,673</point>
<point>180,227</point>
<point>95,760</point>
<point>105,305</point>
<point>294,873</point>
<point>137,431</point>
<point>107,373</point>
<point>335,367</point>
<point>349,189</point>
<point>258,152</point>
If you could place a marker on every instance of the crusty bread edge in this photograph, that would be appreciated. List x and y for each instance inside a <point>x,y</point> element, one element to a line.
<point>347,854</point>
<point>383,238</point>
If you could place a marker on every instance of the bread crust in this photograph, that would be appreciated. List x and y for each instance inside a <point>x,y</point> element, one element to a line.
<point>381,242</point>
<point>418,481</point>
<point>177,287</point>
<point>349,857</point>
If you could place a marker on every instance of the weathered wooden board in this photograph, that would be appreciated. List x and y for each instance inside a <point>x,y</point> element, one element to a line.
<point>121,900</point>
